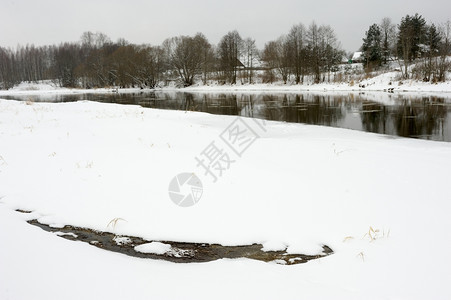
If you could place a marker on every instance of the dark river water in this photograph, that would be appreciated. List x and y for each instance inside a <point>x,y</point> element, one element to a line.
<point>407,115</point>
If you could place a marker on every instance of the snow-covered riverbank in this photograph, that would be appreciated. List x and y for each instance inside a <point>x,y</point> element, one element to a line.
<point>383,83</point>
<point>295,187</point>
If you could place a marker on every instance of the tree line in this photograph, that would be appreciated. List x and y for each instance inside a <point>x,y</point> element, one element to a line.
<point>412,41</point>
<point>311,51</point>
<point>96,61</point>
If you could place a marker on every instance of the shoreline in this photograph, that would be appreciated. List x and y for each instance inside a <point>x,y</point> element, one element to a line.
<point>369,86</point>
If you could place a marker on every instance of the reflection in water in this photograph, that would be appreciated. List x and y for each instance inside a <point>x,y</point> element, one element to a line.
<point>374,117</point>
<point>407,116</point>
<point>423,118</point>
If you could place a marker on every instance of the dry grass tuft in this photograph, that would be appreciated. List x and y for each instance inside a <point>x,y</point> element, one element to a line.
<point>114,221</point>
<point>347,239</point>
<point>375,234</point>
<point>2,161</point>
<point>362,256</point>
<point>372,234</point>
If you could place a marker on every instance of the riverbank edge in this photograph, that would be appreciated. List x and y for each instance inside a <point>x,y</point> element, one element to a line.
<point>410,87</point>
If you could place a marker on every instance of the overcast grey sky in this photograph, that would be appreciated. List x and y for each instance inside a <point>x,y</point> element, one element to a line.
<point>44,22</point>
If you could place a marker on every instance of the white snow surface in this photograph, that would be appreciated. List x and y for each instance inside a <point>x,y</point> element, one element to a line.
<point>86,164</point>
<point>154,247</point>
<point>274,246</point>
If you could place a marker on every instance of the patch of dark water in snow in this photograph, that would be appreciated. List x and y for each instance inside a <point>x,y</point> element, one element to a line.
<point>181,252</point>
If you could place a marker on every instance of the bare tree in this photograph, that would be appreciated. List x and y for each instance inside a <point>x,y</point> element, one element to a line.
<point>206,55</point>
<point>250,54</point>
<point>276,55</point>
<point>298,56</point>
<point>94,40</point>
<point>314,47</point>
<point>66,59</point>
<point>444,50</point>
<point>410,36</point>
<point>8,76</point>
<point>330,49</point>
<point>187,56</point>
<point>154,66</point>
<point>229,52</point>
<point>388,30</point>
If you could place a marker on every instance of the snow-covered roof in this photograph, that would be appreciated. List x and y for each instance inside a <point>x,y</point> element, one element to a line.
<point>357,55</point>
